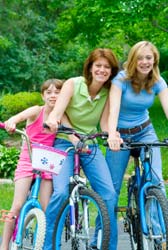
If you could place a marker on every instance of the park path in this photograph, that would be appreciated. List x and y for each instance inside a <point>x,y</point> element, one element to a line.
<point>123,238</point>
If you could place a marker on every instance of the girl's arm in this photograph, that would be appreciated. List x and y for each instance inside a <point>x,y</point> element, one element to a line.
<point>114,139</point>
<point>62,102</point>
<point>28,115</point>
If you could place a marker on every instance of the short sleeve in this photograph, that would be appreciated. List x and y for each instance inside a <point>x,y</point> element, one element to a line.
<point>159,86</point>
<point>119,80</point>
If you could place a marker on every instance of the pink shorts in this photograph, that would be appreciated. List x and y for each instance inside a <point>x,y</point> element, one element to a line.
<point>24,169</point>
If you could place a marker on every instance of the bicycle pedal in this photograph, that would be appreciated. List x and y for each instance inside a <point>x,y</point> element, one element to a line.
<point>7,216</point>
<point>121,209</point>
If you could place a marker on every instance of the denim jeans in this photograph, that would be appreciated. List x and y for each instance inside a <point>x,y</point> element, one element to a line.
<point>118,161</point>
<point>96,169</point>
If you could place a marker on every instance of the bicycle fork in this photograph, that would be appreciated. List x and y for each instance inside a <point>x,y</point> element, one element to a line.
<point>75,217</point>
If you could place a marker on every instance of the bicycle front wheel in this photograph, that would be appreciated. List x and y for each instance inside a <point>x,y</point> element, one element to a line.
<point>156,216</point>
<point>88,207</point>
<point>33,233</point>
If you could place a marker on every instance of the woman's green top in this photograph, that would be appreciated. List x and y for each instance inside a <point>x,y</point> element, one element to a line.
<point>83,112</point>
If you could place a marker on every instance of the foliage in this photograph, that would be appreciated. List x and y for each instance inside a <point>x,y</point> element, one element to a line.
<point>12,104</point>
<point>46,39</point>
<point>3,135</point>
<point>8,160</point>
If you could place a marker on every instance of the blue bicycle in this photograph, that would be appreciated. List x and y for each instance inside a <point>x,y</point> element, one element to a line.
<point>30,225</point>
<point>146,213</point>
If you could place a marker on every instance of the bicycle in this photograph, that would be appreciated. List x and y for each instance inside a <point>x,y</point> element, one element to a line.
<point>146,213</point>
<point>30,225</point>
<point>74,225</point>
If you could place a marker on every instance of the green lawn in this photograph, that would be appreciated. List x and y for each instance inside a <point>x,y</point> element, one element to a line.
<point>6,196</point>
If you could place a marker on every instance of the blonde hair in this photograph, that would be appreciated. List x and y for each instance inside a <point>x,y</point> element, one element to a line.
<point>131,64</point>
<point>56,82</point>
<point>95,55</point>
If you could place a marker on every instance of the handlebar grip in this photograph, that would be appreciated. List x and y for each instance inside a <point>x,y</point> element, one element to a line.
<point>2,125</point>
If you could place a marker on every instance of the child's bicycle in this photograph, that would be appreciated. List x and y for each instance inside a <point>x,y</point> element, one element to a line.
<point>75,223</point>
<point>30,225</point>
<point>146,213</point>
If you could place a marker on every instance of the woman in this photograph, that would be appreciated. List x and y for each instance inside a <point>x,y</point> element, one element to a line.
<point>84,100</point>
<point>132,92</point>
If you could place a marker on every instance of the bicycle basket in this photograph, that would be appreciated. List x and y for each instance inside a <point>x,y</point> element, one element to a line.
<point>47,159</point>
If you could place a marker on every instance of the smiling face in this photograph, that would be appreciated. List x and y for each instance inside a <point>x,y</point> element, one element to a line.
<point>145,62</point>
<point>50,95</point>
<point>101,70</point>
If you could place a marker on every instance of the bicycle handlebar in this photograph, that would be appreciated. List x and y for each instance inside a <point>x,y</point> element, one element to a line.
<point>2,125</point>
<point>132,144</point>
<point>21,132</point>
<point>62,129</point>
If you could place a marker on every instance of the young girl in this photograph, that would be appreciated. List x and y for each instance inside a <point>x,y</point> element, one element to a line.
<point>35,117</point>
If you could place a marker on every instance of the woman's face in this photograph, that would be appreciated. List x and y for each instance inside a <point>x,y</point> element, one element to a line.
<point>101,70</point>
<point>145,61</point>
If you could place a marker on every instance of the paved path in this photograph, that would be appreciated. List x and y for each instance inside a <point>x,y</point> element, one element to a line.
<point>124,242</point>
<point>123,238</point>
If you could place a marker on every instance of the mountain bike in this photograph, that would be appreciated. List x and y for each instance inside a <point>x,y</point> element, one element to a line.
<point>75,223</point>
<point>30,225</point>
<point>146,213</point>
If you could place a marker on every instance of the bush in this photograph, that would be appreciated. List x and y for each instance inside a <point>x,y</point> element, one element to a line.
<point>8,161</point>
<point>12,104</point>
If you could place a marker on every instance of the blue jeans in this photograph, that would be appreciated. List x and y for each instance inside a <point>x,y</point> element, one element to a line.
<point>118,161</point>
<point>96,169</point>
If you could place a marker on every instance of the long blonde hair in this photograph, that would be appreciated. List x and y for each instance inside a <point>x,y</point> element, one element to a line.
<point>131,64</point>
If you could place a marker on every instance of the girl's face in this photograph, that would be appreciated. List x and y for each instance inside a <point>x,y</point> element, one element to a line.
<point>101,70</point>
<point>145,62</point>
<point>50,95</point>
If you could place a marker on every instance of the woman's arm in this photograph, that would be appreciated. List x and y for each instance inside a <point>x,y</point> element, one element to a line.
<point>104,117</point>
<point>62,102</point>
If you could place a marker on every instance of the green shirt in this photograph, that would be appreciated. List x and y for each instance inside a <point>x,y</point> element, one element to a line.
<point>83,112</point>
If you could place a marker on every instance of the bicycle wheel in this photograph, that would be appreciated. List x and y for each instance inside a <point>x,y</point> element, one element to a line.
<point>156,216</point>
<point>87,208</point>
<point>33,233</point>
<point>133,217</point>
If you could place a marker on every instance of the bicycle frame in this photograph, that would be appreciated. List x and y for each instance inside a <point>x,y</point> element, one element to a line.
<point>76,182</point>
<point>31,202</point>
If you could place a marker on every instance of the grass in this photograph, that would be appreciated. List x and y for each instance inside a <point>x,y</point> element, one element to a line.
<point>6,196</point>
<point>160,123</point>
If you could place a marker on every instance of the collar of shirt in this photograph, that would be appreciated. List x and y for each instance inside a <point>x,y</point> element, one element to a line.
<point>97,97</point>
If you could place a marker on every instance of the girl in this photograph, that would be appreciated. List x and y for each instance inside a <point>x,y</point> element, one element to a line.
<point>35,117</point>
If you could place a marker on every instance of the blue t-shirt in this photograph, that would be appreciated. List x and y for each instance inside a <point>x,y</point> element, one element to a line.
<point>134,106</point>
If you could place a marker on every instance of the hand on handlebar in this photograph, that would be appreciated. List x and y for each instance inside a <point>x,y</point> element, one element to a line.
<point>10,126</point>
<point>115,141</point>
<point>52,127</point>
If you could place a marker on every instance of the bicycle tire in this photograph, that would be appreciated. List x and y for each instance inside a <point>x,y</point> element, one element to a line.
<point>133,216</point>
<point>159,240</point>
<point>34,230</point>
<point>62,238</point>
